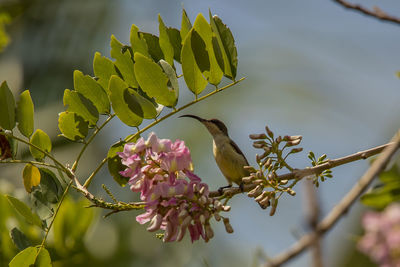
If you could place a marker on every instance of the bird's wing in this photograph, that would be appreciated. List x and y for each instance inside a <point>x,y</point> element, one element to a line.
<point>237,149</point>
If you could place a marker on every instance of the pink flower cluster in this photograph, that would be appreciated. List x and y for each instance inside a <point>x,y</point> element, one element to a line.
<point>176,199</point>
<point>381,241</point>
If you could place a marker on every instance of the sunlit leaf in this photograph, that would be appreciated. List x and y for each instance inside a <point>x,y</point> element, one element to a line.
<point>138,43</point>
<point>72,126</point>
<point>19,238</point>
<point>214,73</point>
<point>25,258</point>
<point>165,43</point>
<point>7,107</point>
<point>148,108</point>
<point>123,61</point>
<point>153,81</point>
<point>185,25</point>
<point>80,105</point>
<point>25,113</point>
<point>193,76</point>
<point>41,140</point>
<point>43,259</point>
<point>227,44</point>
<point>103,69</point>
<point>31,177</point>
<point>23,209</point>
<point>126,106</point>
<point>93,91</point>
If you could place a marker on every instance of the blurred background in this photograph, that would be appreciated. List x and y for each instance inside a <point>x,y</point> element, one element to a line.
<point>312,68</point>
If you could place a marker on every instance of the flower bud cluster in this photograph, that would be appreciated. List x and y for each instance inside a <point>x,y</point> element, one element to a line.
<point>176,199</point>
<point>381,241</point>
<point>270,161</point>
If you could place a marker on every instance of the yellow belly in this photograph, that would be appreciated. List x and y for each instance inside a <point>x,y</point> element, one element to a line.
<point>230,163</point>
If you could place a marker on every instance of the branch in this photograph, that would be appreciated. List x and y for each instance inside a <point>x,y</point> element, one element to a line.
<point>301,173</point>
<point>342,207</point>
<point>313,212</point>
<point>376,12</point>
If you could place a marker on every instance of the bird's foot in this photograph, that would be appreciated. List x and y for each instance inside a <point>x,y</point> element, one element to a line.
<point>221,189</point>
<point>241,186</point>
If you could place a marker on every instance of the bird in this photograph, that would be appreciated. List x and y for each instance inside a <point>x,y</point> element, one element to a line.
<point>228,156</point>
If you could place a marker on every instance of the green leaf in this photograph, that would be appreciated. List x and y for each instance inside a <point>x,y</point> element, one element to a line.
<point>93,91</point>
<point>50,186</point>
<point>165,43</point>
<point>153,45</point>
<point>43,259</point>
<point>226,43</point>
<point>23,209</point>
<point>7,107</point>
<point>103,69</point>
<point>148,108</point>
<point>123,61</point>
<point>200,52</point>
<point>19,238</point>
<point>31,176</point>
<point>185,25</point>
<point>125,106</point>
<point>72,126</point>
<point>41,140</point>
<point>214,73</point>
<point>173,84</point>
<point>176,42</point>
<point>193,76</point>
<point>25,113</point>
<point>153,81</point>
<point>82,106</point>
<point>382,196</point>
<point>138,43</point>
<point>25,258</point>
<point>114,163</point>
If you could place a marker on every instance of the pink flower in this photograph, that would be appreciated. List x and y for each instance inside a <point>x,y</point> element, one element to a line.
<point>176,199</point>
<point>381,240</point>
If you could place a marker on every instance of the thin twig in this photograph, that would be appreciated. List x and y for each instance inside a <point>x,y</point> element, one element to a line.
<point>376,12</point>
<point>31,162</point>
<point>301,173</point>
<point>313,211</point>
<point>75,165</point>
<point>342,207</point>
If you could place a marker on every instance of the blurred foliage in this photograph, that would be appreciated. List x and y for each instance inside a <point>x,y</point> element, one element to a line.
<point>386,192</point>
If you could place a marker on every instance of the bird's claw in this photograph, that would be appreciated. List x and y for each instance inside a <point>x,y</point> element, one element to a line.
<point>221,189</point>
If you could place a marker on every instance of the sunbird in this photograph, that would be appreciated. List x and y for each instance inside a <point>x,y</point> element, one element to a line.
<point>230,159</point>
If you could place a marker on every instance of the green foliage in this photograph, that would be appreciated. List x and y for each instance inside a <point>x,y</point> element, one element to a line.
<point>42,141</point>
<point>23,210</point>
<point>27,257</point>
<point>4,38</point>
<point>153,81</point>
<point>19,238</point>
<point>315,162</point>
<point>103,69</point>
<point>72,126</point>
<point>125,105</point>
<point>80,105</point>
<point>50,186</point>
<point>90,89</point>
<point>7,107</point>
<point>386,192</point>
<point>114,163</point>
<point>31,176</point>
<point>25,114</point>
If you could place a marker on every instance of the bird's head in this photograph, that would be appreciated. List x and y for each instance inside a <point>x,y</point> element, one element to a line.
<point>214,126</point>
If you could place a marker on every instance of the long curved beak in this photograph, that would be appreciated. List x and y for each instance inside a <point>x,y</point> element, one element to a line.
<point>194,117</point>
